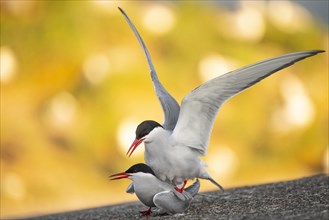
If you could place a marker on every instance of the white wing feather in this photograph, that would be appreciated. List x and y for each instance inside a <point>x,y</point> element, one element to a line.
<point>169,105</point>
<point>199,108</point>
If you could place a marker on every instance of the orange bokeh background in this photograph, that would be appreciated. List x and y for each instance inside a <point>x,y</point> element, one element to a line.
<point>75,84</point>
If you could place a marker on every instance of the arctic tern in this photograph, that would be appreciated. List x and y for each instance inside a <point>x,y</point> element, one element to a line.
<point>173,149</point>
<point>153,192</point>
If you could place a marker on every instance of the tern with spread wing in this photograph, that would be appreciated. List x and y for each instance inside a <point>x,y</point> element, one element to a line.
<point>153,192</point>
<point>173,149</point>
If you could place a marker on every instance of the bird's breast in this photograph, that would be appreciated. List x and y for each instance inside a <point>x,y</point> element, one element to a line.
<point>172,163</point>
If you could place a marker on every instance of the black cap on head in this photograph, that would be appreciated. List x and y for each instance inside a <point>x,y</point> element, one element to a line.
<point>145,128</point>
<point>140,167</point>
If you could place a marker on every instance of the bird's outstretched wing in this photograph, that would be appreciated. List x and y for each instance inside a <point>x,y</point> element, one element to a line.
<point>199,108</point>
<point>169,105</point>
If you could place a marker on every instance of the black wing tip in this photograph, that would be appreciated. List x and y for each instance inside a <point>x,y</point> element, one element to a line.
<point>122,11</point>
<point>316,51</point>
<point>304,53</point>
<point>308,52</point>
<point>312,52</point>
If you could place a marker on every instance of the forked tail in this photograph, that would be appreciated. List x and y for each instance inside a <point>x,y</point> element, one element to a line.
<point>217,184</point>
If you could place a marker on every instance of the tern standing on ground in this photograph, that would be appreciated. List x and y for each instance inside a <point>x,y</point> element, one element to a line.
<point>153,192</point>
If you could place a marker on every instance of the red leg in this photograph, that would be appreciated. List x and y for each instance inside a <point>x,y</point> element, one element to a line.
<point>146,212</point>
<point>181,189</point>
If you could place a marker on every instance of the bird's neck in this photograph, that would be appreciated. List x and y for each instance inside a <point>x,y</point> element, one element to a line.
<point>157,141</point>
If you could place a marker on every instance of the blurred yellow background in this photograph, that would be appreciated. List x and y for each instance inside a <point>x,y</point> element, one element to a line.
<point>75,84</point>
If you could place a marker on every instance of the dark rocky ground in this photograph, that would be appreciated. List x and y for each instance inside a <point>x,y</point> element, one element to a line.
<point>306,198</point>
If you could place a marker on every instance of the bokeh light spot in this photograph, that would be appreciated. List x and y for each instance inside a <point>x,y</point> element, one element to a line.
<point>214,65</point>
<point>158,19</point>
<point>297,109</point>
<point>62,110</point>
<point>13,186</point>
<point>288,16</point>
<point>247,24</point>
<point>8,64</point>
<point>126,135</point>
<point>96,68</point>
<point>106,6</point>
<point>222,162</point>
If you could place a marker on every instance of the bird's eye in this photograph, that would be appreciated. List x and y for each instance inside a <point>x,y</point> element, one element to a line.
<point>141,135</point>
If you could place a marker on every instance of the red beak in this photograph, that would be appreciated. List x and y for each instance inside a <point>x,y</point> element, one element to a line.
<point>134,146</point>
<point>120,176</point>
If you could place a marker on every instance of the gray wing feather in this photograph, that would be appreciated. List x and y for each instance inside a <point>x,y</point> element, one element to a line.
<point>168,202</point>
<point>169,105</point>
<point>172,202</point>
<point>130,188</point>
<point>194,188</point>
<point>199,108</point>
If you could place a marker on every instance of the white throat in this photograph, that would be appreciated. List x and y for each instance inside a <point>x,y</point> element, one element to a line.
<point>156,149</point>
